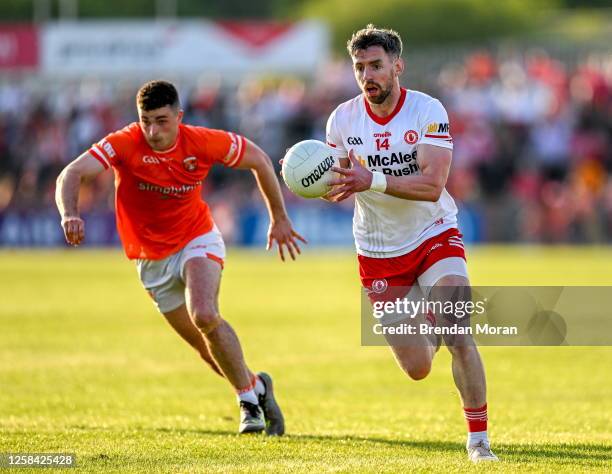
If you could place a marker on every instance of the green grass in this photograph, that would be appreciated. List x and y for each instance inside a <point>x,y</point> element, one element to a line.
<point>87,366</point>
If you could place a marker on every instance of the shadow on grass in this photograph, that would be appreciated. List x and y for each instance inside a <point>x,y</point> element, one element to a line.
<point>580,453</point>
<point>577,454</point>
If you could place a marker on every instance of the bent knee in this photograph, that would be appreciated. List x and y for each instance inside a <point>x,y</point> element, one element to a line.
<point>419,372</point>
<point>207,320</point>
<point>414,361</point>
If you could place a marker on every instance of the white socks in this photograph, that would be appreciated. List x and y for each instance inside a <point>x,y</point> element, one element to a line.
<point>252,392</point>
<point>477,436</point>
<point>248,396</point>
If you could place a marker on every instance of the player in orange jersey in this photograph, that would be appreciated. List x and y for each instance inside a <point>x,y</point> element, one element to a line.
<point>159,165</point>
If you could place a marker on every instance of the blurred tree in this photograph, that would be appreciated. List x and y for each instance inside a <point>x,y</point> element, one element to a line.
<point>116,8</point>
<point>422,22</point>
<point>17,10</point>
<point>588,3</point>
<point>228,9</point>
<point>419,21</point>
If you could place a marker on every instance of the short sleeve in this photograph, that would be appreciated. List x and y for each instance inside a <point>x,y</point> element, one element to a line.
<point>223,147</point>
<point>435,128</point>
<point>333,136</point>
<point>113,147</point>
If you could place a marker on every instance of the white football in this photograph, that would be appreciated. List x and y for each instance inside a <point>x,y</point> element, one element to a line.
<point>307,168</point>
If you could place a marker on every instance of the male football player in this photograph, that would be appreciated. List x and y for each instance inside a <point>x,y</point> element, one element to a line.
<point>167,228</point>
<point>397,149</point>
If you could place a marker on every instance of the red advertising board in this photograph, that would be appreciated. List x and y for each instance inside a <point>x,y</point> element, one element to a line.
<point>18,47</point>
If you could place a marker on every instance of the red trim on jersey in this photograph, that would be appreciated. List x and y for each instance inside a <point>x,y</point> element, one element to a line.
<point>385,120</point>
<point>429,135</point>
<point>332,145</point>
<point>235,150</point>
<point>94,152</point>
<point>243,144</point>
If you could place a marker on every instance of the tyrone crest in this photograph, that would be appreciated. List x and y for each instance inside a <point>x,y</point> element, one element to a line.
<point>379,286</point>
<point>190,163</point>
<point>411,137</point>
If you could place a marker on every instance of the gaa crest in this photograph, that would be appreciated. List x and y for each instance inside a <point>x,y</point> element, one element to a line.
<point>190,163</point>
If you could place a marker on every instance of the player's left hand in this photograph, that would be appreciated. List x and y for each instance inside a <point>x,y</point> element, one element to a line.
<point>281,231</point>
<point>355,179</point>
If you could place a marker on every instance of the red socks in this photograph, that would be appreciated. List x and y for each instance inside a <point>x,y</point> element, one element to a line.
<point>476,418</point>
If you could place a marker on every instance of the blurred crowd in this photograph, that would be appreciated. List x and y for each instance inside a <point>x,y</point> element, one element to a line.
<point>533,145</point>
<point>533,138</point>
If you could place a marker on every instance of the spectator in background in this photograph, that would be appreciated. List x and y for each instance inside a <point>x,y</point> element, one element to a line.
<point>520,122</point>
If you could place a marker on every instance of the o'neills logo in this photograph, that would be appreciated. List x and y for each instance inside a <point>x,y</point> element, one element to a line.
<point>190,163</point>
<point>316,174</point>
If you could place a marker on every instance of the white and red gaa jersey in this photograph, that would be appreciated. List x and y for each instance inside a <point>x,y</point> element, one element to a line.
<point>383,225</point>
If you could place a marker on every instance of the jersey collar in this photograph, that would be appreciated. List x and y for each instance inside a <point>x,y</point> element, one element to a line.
<point>385,120</point>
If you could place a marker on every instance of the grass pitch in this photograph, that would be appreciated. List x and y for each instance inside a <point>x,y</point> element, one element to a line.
<point>88,367</point>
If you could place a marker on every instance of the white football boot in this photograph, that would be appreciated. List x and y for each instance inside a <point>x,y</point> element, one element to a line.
<point>481,452</point>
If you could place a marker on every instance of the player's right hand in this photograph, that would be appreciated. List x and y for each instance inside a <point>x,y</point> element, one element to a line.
<point>328,198</point>
<point>74,230</point>
<point>282,232</point>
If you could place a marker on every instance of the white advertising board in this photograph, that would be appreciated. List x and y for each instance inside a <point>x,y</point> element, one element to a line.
<point>181,47</point>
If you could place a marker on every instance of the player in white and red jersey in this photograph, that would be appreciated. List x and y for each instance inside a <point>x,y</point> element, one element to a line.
<point>398,145</point>
<point>166,227</point>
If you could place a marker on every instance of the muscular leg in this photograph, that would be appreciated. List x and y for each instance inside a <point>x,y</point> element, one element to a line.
<point>468,371</point>
<point>202,278</point>
<point>181,322</point>
<point>469,375</point>
<point>413,353</point>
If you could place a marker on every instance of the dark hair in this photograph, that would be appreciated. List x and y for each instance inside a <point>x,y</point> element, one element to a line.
<point>389,40</point>
<point>156,94</point>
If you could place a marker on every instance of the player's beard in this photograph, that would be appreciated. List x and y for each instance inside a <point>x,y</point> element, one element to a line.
<point>382,95</point>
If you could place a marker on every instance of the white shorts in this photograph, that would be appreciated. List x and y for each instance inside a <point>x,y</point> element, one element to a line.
<point>164,279</point>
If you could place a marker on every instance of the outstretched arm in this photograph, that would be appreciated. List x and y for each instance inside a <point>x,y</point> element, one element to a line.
<point>67,195</point>
<point>433,161</point>
<point>281,229</point>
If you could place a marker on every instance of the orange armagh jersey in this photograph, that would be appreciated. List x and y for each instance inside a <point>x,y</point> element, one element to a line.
<point>158,193</point>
